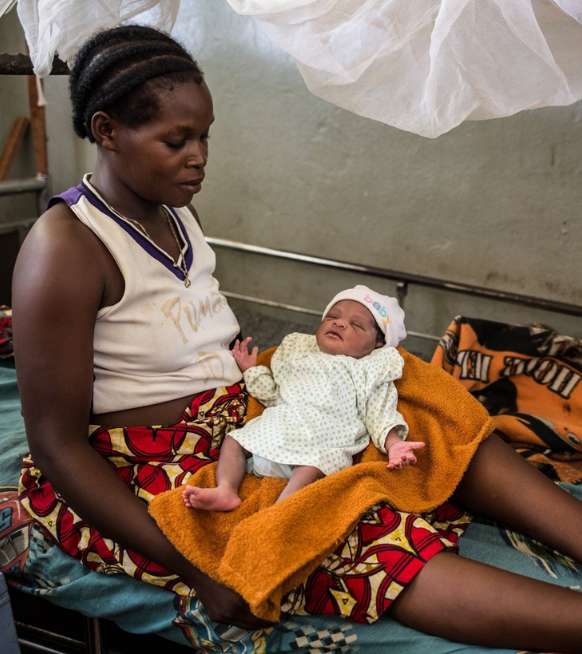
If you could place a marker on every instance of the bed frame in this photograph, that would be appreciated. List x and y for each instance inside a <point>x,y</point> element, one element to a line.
<point>403,281</point>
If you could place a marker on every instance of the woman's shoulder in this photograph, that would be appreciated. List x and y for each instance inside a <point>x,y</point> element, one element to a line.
<point>58,228</point>
<point>60,247</point>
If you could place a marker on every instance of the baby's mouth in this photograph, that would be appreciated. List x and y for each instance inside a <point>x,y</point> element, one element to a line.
<point>333,332</point>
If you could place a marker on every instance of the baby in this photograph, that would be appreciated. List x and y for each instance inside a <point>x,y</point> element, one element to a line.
<point>326,396</point>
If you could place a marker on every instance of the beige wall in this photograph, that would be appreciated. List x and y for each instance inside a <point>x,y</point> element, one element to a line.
<point>492,203</point>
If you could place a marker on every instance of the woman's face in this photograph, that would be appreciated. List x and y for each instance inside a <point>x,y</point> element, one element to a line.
<point>162,161</point>
<point>348,328</point>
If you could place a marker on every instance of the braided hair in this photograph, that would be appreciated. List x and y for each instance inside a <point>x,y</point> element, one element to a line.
<point>122,71</point>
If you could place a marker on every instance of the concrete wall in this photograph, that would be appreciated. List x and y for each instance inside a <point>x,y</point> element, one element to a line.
<point>492,203</point>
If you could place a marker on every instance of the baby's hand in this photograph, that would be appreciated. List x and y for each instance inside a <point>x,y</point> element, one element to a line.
<point>241,354</point>
<point>401,454</point>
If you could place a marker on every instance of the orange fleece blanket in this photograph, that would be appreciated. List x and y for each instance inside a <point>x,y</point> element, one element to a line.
<point>529,378</point>
<point>263,550</point>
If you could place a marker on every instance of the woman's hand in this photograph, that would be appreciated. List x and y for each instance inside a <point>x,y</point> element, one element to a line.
<point>401,453</point>
<point>224,605</point>
<point>241,354</point>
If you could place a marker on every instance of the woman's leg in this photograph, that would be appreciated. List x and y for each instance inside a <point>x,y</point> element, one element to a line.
<point>229,475</point>
<point>473,603</point>
<point>469,602</point>
<point>502,485</point>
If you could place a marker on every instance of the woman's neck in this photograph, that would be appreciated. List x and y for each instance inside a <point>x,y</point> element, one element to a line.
<point>122,199</point>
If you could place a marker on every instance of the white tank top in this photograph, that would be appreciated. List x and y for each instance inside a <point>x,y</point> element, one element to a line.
<point>162,340</point>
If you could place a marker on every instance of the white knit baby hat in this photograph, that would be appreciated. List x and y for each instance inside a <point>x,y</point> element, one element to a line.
<point>386,311</point>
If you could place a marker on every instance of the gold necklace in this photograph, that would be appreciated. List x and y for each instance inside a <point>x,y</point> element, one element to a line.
<point>183,268</point>
<point>138,225</point>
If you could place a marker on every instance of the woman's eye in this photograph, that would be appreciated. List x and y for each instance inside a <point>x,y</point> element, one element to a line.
<point>175,146</point>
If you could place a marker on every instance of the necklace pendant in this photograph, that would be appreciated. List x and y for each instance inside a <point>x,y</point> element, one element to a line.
<point>187,283</point>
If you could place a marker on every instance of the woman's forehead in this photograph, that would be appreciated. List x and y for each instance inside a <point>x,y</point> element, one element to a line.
<point>184,104</point>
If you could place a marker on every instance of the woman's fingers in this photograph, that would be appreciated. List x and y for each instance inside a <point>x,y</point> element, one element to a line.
<point>239,618</point>
<point>237,614</point>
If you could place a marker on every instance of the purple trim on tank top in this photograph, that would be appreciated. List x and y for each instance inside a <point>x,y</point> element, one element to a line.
<point>73,195</point>
<point>70,197</point>
<point>189,254</point>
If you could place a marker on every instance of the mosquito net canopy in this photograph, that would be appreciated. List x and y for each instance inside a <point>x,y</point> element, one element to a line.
<point>419,65</point>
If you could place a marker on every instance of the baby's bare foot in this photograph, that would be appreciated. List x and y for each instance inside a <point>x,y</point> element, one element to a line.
<point>220,498</point>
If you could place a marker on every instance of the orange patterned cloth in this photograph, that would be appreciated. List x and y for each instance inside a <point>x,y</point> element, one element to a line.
<point>529,378</point>
<point>149,460</point>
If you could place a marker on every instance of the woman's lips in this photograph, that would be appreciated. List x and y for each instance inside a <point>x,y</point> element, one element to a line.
<point>193,186</point>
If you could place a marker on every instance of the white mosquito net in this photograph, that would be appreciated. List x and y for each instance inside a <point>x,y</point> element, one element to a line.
<point>61,26</point>
<point>419,65</point>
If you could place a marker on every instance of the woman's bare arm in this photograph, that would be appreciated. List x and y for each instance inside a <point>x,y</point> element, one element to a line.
<point>63,276</point>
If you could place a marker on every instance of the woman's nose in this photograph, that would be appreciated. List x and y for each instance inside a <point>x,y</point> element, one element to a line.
<point>197,157</point>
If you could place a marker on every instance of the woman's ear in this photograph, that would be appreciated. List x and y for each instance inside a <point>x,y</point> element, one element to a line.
<point>103,129</point>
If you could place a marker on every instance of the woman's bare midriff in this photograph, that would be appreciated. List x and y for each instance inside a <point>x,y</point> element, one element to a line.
<point>166,413</point>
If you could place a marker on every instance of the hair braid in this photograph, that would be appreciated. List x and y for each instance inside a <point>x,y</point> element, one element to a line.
<point>122,71</point>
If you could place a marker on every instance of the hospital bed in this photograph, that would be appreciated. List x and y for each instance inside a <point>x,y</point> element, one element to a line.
<point>60,606</point>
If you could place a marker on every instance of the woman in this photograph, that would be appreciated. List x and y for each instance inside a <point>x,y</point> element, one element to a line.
<point>118,321</point>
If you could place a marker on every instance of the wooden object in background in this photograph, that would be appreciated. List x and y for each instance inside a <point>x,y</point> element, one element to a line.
<point>12,144</point>
<point>37,127</point>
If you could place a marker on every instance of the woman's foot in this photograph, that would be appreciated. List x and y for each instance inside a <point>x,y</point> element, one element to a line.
<point>220,498</point>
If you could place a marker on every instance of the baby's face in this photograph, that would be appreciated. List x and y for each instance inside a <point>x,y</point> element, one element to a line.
<point>350,329</point>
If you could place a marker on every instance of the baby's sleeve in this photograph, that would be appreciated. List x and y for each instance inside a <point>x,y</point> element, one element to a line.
<point>381,413</point>
<point>260,380</point>
<point>261,385</point>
